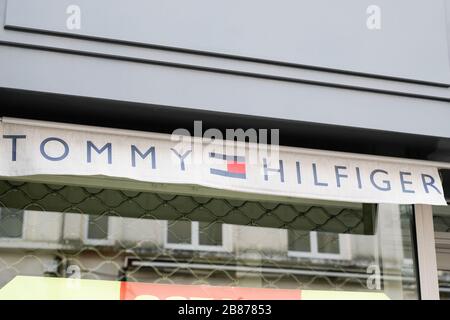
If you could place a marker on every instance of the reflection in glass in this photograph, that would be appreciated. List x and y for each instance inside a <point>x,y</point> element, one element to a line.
<point>11,223</point>
<point>316,247</point>
<point>179,232</point>
<point>210,234</point>
<point>98,227</point>
<point>441,219</point>
<point>299,241</point>
<point>328,242</point>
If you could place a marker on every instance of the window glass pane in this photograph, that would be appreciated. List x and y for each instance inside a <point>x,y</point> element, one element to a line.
<point>374,259</point>
<point>408,246</point>
<point>179,232</point>
<point>11,223</point>
<point>299,240</point>
<point>441,219</point>
<point>210,234</point>
<point>98,227</point>
<point>328,242</point>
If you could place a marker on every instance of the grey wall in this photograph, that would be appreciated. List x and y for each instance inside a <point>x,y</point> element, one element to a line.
<point>336,72</point>
<point>411,41</point>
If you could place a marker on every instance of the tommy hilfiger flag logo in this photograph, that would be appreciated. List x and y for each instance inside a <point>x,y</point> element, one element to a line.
<point>235,166</point>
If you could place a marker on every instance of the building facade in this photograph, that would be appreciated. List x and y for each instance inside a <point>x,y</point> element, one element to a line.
<point>364,83</point>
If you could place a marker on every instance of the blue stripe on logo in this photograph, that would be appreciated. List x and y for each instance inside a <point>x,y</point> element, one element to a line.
<point>226,157</point>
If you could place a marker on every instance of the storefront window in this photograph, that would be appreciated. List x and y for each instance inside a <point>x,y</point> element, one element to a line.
<point>294,249</point>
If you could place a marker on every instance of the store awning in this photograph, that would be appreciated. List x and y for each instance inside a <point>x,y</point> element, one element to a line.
<point>35,148</point>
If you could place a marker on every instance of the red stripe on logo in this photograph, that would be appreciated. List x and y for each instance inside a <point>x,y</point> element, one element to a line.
<point>236,167</point>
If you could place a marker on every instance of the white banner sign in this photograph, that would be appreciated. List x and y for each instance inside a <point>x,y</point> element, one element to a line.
<point>40,148</point>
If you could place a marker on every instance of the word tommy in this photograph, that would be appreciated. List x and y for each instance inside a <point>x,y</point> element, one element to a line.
<point>232,166</point>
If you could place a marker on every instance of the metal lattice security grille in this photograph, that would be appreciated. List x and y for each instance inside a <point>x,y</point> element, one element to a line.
<point>141,205</point>
<point>179,239</point>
